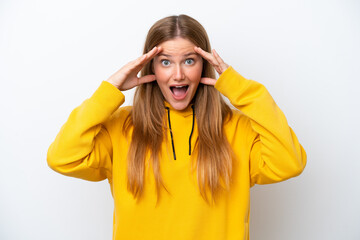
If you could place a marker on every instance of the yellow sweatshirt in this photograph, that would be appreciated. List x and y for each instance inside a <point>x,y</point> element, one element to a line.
<point>91,146</point>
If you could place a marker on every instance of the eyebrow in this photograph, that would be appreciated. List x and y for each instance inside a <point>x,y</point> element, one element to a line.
<point>185,55</point>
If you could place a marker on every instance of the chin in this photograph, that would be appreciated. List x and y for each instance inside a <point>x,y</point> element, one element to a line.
<point>179,105</point>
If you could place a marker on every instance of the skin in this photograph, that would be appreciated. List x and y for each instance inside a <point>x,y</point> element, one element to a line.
<point>178,65</point>
<point>172,67</point>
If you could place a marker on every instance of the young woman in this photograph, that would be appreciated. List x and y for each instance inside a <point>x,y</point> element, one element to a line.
<point>180,161</point>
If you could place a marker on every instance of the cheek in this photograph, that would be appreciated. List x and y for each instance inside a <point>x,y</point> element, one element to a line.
<point>195,73</point>
<point>160,74</point>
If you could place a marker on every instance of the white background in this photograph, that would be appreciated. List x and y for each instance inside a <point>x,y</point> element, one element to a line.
<point>54,54</point>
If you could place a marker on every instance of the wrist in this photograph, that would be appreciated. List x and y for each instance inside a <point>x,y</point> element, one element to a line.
<point>113,83</point>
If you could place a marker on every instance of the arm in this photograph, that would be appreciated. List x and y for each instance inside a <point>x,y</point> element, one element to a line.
<point>83,146</point>
<point>276,153</point>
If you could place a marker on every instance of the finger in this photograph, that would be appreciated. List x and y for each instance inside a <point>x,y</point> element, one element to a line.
<point>221,62</point>
<point>144,59</point>
<point>209,57</point>
<point>137,81</point>
<point>151,54</point>
<point>204,54</point>
<point>146,79</point>
<point>208,81</point>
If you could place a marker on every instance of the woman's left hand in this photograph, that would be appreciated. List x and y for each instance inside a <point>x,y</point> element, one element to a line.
<point>215,60</point>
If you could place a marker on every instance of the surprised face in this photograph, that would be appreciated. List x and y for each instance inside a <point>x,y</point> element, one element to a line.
<point>178,71</point>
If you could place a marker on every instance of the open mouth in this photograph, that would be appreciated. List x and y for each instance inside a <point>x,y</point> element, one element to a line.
<point>179,91</point>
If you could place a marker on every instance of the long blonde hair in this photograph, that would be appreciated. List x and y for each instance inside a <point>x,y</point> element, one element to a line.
<point>214,155</point>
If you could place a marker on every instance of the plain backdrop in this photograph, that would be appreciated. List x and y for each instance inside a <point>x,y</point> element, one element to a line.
<point>54,55</point>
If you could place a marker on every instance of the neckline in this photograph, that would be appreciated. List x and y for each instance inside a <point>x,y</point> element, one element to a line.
<point>188,111</point>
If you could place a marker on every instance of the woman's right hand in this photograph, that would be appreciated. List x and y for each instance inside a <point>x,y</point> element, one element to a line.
<point>126,78</point>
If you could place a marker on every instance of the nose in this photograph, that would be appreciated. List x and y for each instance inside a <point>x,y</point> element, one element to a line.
<point>178,73</point>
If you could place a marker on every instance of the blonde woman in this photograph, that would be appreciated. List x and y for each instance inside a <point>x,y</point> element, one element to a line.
<point>180,161</point>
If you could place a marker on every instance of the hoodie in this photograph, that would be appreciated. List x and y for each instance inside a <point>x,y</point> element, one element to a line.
<point>92,146</point>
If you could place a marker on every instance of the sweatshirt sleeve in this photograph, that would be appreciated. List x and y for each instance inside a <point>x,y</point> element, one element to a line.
<point>276,153</point>
<point>83,147</point>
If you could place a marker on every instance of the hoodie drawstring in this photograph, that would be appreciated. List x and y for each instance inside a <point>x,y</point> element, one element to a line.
<point>172,139</point>
<point>192,128</point>
<point>171,135</point>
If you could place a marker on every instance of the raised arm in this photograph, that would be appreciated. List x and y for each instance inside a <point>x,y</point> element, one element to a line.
<point>83,147</point>
<point>276,153</point>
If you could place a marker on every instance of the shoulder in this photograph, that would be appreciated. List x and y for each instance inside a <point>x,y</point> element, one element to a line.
<point>119,116</point>
<point>122,112</point>
<point>238,117</point>
<point>239,124</point>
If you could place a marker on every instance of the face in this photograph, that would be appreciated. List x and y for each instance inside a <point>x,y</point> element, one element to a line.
<point>178,70</point>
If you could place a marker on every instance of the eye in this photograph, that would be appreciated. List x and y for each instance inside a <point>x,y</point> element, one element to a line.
<point>165,62</point>
<point>189,61</point>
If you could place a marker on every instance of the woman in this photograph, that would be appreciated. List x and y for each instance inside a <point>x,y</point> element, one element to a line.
<point>180,162</point>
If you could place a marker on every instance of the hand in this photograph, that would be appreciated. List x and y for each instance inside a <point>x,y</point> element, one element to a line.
<point>215,60</point>
<point>126,78</point>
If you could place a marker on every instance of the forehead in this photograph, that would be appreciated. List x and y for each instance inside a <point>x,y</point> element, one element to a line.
<point>177,47</point>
